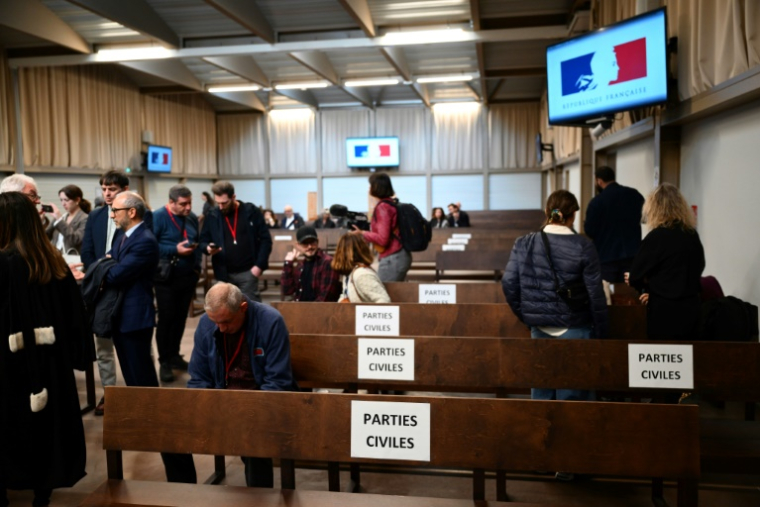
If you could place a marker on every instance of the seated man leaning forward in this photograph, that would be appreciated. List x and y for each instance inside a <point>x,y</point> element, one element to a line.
<point>239,344</point>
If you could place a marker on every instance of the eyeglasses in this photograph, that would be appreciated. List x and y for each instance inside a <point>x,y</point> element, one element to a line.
<point>114,210</point>
<point>34,197</point>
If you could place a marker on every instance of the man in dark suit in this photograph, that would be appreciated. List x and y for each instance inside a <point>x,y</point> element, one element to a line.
<point>135,251</point>
<point>291,220</point>
<point>237,239</point>
<point>613,222</point>
<point>457,217</point>
<point>98,237</point>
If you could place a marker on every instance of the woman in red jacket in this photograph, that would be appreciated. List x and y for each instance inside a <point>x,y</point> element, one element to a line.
<point>383,233</point>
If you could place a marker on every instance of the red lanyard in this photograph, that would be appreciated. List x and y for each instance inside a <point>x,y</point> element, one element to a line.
<point>228,364</point>
<point>233,230</point>
<point>180,229</point>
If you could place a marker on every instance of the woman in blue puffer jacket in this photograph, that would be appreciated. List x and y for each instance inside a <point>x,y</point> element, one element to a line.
<point>531,288</point>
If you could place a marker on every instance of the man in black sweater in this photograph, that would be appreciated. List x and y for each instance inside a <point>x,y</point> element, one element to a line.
<point>613,222</point>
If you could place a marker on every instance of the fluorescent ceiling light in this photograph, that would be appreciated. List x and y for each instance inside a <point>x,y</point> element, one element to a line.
<point>427,4</point>
<point>456,107</point>
<point>291,113</point>
<point>424,36</point>
<point>239,88</point>
<point>453,12</point>
<point>127,54</point>
<point>301,86</point>
<point>372,82</point>
<point>444,79</point>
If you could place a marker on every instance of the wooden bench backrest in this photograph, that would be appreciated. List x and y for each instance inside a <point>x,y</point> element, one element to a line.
<point>409,292</point>
<point>465,320</point>
<point>493,434</point>
<point>475,259</point>
<point>722,371</point>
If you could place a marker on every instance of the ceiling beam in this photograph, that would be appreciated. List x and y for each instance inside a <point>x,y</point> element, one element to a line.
<point>359,10</point>
<point>243,66</point>
<point>397,58</point>
<point>33,18</point>
<point>136,15</point>
<point>507,35</point>
<point>475,14</point>
<point>302,96</point>
<point>482,70</point>
<point>320,64</point>
<point>170,70</point>
<point>248,14</point>
<point>495,90</point>
<point>559,18</point>
<point>422,92</point>
<point>246,98</point>
<point>516,72</point>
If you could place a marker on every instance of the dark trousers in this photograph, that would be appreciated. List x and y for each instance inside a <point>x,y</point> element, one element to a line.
<point>259,472</point>
<point>133,350</point>
<point>614,272</point>
<point>173,298</point>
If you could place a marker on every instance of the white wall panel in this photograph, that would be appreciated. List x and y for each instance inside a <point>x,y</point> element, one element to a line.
<point>292,191</point>
<point>514,191</point>
<point>250,191</point>
<point>351,192</point>
<point>466,189</point>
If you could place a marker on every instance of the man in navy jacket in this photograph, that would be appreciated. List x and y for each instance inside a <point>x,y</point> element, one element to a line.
<point>239,344</point>
<point>613,222</point>
<point>237,239</point>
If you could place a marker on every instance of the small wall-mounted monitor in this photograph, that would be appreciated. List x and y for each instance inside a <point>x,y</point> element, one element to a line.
<point>372,152</point>
<point>615,68</point>
<point>158,159</point>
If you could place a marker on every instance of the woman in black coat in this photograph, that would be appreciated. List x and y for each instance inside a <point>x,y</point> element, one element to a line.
<point>45,337</point>
<point>668,266</point>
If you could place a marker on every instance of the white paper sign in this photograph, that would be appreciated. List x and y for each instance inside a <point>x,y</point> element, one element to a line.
<point>283,238</point>
<point>434,293</point>
<point>390,430</point>
<point>661,366</point>
<point>386,359</point>
<point>452,248</point>
<point>461,236</point>
<point>458,241</point>
<point>377,320</point>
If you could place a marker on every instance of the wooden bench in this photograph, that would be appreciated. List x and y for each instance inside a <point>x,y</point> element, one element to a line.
<point>465,433</point>
<point>493,261</point>
<point>464,320</point>
<point>409,292</point>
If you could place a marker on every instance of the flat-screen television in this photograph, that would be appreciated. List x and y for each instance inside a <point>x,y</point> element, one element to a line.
<point>370,152</point>
<point>612,69</point>
<point>158,159</point>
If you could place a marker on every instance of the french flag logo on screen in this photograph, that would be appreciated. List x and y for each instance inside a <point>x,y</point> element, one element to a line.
<point>362,150</point>
<point>164,158</point>
<point>606,67</point>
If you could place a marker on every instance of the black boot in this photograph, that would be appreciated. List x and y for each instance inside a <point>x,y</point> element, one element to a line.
<point>41,497</point>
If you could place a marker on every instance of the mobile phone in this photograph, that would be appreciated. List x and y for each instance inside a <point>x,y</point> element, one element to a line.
<point>47,208</point>
<point>212,246</point>
<point>193,245</point>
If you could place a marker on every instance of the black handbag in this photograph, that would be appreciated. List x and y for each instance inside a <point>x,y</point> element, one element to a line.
<point>574,294</point>
<point>164,269</point>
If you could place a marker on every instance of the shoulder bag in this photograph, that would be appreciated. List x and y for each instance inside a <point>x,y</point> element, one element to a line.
<point>574,294</point>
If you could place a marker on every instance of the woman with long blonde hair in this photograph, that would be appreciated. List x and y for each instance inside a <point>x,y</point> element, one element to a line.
<point>45,337</point>
<point>668,266</point>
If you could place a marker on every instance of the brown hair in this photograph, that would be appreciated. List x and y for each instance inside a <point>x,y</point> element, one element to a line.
<point>21,231</point>
<point>380,186</point>
<point>666,207</point>
<point>74,193</point>
<point>560,206</point>
<point>351,250</point>
<point>223,188</point>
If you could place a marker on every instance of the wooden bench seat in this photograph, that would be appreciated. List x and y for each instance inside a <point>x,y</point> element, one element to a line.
<point>613,439</point>
<point>464,320</point>
<point>409,292</point>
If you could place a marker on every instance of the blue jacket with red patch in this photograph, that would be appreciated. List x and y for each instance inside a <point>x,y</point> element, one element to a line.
<point>268,343</point>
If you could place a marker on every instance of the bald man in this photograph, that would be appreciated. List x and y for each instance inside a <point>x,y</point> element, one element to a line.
<point>291,220</point>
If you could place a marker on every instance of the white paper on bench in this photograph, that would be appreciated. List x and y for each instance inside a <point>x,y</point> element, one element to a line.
<point>386,359</point>
<point>461,236</point>
<point>390,430</point>
<point>452,248</point>
<point>661,366</point>
<point>458,241</point>
<point>377,321</point>
<point>435,293</point>
<point>283,238</point>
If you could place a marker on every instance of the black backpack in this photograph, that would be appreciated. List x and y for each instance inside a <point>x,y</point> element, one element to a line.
<point>728,319</point>
<point>414,231</point>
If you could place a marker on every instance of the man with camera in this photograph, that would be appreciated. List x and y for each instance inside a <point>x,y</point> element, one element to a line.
<point>176,229</point>
<point>311,279</point>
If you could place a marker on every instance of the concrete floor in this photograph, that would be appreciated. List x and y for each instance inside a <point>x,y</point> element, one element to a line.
<point>715,491</point>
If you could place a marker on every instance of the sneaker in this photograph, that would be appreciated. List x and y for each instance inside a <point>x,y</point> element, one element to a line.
<point>165,373</point>
<point>178,363</point>
<point>100,408</point>
<point>564,476</point>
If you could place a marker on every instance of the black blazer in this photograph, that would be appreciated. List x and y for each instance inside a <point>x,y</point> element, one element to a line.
<point>613,222</point>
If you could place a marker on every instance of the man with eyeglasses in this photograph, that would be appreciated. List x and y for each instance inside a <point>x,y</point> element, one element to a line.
<point>98,238</point>
<point>24,184</point>
<point>237,239</point>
